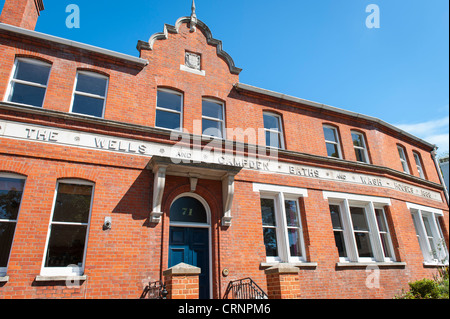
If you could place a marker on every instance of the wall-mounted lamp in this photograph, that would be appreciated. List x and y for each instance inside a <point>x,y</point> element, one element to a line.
<point>107,223</point>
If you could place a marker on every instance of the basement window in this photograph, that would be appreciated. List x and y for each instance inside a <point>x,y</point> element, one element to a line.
<point>29,81</point>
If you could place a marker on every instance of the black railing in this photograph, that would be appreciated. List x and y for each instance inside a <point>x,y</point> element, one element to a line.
<point>154,290</point>
<point>244,288</point>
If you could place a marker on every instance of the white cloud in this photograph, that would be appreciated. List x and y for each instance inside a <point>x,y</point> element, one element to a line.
<point>434,131</point>
<point>425,128</point>
<point>441,140</point>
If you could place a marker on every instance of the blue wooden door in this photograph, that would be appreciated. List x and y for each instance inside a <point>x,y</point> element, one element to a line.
<point>191,246</point>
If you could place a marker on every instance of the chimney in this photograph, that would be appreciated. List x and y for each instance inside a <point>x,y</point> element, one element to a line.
<point>22,13</point>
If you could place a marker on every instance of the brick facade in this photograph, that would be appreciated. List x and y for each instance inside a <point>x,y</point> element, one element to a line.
<point>119,262</point>
<point>22,13</point>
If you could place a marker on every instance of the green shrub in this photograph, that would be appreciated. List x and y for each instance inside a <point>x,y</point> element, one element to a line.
<point>428,288</point>
<point>443,288</point>
<point>424,289</point>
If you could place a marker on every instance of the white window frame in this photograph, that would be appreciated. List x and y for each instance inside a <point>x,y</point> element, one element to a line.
<point>419,165</point>
<point>340,230</point>
<point>369,204</point>
<point>170,110</point>
<point>418,212</point>
<point>4,270</point>
<point>215,119</point>
<point>363,148</point>
<point>7,96</point>
<point>277,227</point>
<point>95,96</point>
<point>280,132</point>
<point>279,194</point>
<point>389,244</point>
<point>67,271</point>
<point>284,197</point>
<point>403,160</point>
<point>337,143</point>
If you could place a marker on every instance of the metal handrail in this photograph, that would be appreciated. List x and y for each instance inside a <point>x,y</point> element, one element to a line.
<point>154,290</point>
<point>244,288</point>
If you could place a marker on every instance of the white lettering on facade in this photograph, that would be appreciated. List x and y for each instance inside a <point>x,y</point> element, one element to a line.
<point>308,172</point>
<point>122,146</point>
<point>404,188</point>
<point>371,181</point>
<point>243,162</point>
<point>184,154</point>
<point>99,142</point>
<point>42,135</point>
<point>38,133</point>
<point>425,193</point>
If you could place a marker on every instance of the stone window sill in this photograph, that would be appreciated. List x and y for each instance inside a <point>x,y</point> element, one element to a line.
<point>61,278</point>
<point>367,264</point>
<point>428,264</point>
<point>4,278</point>
<point>191,70</point>
<point>265,265</point>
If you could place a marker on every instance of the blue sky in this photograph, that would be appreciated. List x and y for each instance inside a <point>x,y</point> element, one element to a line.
<point>317,50</point>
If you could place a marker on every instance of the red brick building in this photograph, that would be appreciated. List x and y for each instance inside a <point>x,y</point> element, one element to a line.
<point>115,168</point>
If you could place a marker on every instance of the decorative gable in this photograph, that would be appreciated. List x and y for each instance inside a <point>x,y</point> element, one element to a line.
<point>194,24</point>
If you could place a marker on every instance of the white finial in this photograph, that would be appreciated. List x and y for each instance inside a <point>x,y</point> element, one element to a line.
<point>193,17</point>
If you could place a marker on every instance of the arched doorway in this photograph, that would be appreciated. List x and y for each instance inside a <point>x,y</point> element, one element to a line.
<point>189,237</point>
